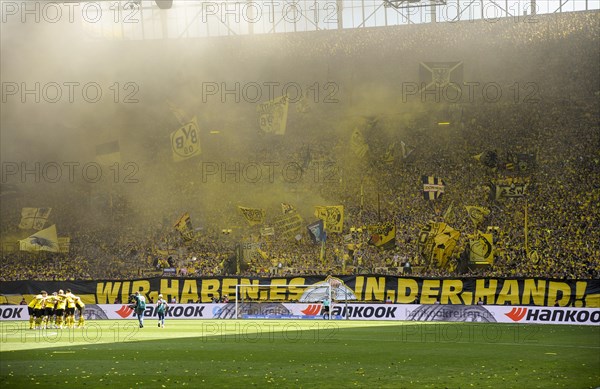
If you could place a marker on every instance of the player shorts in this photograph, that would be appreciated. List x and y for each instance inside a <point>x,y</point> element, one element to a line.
<point>69,311</point>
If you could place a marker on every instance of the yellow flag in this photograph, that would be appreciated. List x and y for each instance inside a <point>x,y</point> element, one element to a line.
<point>482,248</point>
<point>184,226</point>
<point>332,216</point>
<point>185,141</point>
<point>477,214</point>
<point>253,216</point>
<point>437,242</point>
<point>45,240</point>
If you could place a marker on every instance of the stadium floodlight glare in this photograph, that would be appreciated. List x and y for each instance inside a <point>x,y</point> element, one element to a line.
<point>263,306</point>
<point>399,4</point>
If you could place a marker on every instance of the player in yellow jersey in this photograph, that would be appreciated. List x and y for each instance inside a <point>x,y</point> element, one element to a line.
<point>31,309</point>
<point>60,308</point>
<point>81,308</point>
<point>49,304</point>
<point>70,309</point>
<point>38,309</point>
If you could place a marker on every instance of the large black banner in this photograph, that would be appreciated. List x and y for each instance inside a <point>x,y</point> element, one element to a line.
<point>366,288</point>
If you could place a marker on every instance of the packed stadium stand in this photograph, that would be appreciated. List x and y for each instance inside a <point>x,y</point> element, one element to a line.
<point>513,102</point>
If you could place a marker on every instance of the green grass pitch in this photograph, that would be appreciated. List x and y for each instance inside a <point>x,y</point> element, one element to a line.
<point>300,354</point>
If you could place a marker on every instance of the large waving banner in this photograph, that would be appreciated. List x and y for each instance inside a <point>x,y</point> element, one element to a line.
<point>365,288</point>
<point>44,240</point>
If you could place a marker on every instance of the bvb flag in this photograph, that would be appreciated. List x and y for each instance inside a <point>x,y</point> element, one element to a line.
<point>477,214</point>
<point>34,218</point>
<point>383,235</point>
<point>185,141</point>
<point>44,240</point>
<point>437,242</point>
<point>272,115</point>
<point>332,216</point>
<point>433,187</point>
<point>481,249</point>
<point>184,226</point>
<point>253,216</point>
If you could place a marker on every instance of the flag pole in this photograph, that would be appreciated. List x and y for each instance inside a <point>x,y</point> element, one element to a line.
<point>238,253</point>
<point>526,231</point>
<point>362,195</point>
<point>378,207</point>
<point>322,253</point>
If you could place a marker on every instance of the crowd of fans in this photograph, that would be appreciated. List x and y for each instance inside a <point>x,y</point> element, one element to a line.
<point>558,124</point>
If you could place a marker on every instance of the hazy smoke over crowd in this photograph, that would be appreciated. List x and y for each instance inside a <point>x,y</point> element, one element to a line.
<point>64,94</point>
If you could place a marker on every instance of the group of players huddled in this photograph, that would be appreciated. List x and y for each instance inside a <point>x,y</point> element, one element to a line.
<point>55,311</point>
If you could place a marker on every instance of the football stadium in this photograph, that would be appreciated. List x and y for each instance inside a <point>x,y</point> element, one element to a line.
<point>300,193</point>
